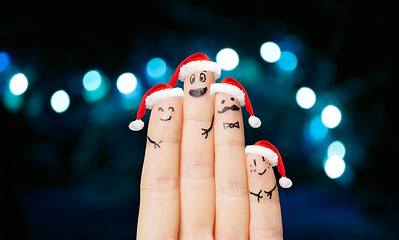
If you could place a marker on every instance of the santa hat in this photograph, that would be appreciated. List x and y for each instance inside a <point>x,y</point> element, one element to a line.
<point>151,97</point>
<point>267,150</point>
<point>195,63</point>
<point>234,88</point>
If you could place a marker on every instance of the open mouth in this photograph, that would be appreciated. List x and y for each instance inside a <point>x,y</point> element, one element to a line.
<point>263,172</point>
<point>167,119</point>
<point>198,92</point>
<point>232,108</point>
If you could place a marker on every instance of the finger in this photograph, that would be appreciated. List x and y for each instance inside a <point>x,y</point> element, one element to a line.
<point>159,192</point>
<point>232,202</point>
<point>265,212</point>
<point>197,159</point>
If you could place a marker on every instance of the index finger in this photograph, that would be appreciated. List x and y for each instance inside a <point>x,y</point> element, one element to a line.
<point>159,191</point>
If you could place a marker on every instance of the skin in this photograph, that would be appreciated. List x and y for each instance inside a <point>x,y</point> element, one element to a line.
<point>159,192</point>
<point>197,183</point>
<point>179,153</point>
<point>265,214</point>
<point>230,171</point>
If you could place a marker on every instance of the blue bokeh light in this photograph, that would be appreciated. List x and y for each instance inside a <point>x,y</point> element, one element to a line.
<point>336,148</point>
<point>288,61</point>
<point>92,80</point>
<point>4,61</point>
<point>156,68</point>
<point>317,130</point>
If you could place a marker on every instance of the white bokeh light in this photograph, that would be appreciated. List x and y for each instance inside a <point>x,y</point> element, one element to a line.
<point>270,52</point>
<point>227,58</point>
<point>18,84</point>
<point>126,83</point>
<point>331,116</point>
<point>334,167</point>
<point>60,101</point>
<point>305,97</point>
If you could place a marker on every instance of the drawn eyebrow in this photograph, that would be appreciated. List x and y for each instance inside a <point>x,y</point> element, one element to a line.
<point>204,71</point>
<point>160,109</point>
<point>172,108</point>
<point>255,162</point>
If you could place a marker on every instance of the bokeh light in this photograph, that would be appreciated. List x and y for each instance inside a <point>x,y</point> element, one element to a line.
<point>60,101</point>
<point>4,61</point>
<point>270,52</point>
<point>288,61</point>
<point>18,84</point>
<point>336,148</point>
<point>331,116</point>
<point>156,68</point>
<point>305,97</point>
<point>334,167</point>
<point>228,59</point>
<point>317,130</point>
<point>92,80</point>
<point>126,83</point>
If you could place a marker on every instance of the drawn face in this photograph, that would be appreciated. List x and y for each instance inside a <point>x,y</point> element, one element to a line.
<point>166,114</point>
<point>229,104</point>
<point>259,165</point>
<point>198,83</point>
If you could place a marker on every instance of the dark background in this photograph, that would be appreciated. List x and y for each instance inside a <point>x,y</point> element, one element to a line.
<point>76,175</point>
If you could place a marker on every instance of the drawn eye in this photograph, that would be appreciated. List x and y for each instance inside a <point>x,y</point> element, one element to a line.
<point>192,78</point>
<point>223,101</point>
<point>202,77</point>
<point>160,109</point>
<point>232,99</point>
<point>263,158</point>
<point>171,108</point>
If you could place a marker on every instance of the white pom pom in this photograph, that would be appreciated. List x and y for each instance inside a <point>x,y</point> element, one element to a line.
<point>136,125</point>
<point>254,122</point>
<point>285,182</point>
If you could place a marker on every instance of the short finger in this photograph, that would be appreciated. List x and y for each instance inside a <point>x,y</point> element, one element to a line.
<point>159,192</point>
<point>265,212</point>
<point>232,203</point>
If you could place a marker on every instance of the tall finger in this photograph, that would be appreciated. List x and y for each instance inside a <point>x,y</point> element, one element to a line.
<point>197,181</point>
<point>159,192</point>
<point>232,202</point>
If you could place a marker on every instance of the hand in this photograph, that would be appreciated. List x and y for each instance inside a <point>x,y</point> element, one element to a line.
<point>204,187</point>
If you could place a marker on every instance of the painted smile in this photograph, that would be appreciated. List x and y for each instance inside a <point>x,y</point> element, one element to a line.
<point>232,108</point>
<point>167,119</point>
<point>263,172</point>
<point>198,92</point>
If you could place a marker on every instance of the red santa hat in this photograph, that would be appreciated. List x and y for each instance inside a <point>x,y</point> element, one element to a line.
<point>234,88</point>
<point>195,63</point>
<point>151,97</point>
<point>267,150</point>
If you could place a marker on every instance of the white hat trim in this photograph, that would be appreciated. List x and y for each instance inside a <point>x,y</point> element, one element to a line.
<point>229,89</point>
<point>157,96</point>
<point>198,66</point>
<point>265,152</point>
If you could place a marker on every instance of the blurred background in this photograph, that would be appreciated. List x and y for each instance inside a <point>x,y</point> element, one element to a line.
<point>319,75</point>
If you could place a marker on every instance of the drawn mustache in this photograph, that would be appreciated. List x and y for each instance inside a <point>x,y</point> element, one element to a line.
<point>232,108</point>
<point>198,92</point>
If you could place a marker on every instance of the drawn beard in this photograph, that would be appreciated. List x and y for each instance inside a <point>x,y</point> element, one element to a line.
<point>232,108</point>
<point>198,92</point>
